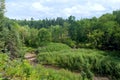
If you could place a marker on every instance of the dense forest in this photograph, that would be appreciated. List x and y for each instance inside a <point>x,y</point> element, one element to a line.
<point>102,33</point>
<point>88,46</point>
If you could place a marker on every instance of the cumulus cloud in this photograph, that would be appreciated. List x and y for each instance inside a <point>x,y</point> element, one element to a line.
<point>37,9</point>
<point>96,7</point>
<point>84,10</point>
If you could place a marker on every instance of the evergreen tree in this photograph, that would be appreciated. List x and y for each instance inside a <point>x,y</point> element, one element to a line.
<point>2,10</point>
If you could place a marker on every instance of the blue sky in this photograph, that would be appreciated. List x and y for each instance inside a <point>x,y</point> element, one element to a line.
<point>41,9</point>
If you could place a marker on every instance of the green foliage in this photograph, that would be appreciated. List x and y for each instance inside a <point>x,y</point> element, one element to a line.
<point>33,38</point>
<point>53,47</point>
<point>2,9</point>
<point>44,36</point>
<point>86,61</point>
<point>101,33</point>
<point>3,61</point>
<point>12,40</point>
<point>69,42</point>
<point>95,38</point>
<point>24,32</point>
<point>56,33</point>
<point>117,14</point>
<point>22,70</point>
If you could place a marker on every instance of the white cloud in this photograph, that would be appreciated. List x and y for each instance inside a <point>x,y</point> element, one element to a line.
<point>54,8</point>
<point>84,10</point>
<point>96,7</point>
<point>39,7</point>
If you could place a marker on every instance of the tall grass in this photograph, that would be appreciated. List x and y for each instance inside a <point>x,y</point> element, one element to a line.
<point>83,60</point>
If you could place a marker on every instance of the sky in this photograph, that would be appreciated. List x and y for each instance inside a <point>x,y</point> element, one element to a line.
<point>41,9</point>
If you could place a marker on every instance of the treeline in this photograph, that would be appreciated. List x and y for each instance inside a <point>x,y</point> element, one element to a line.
<point>102,33</point>
<point>42,23</point>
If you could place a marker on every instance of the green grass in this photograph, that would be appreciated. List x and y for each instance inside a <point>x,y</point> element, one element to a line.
<point>84,60</point>
<point>53,47</point>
